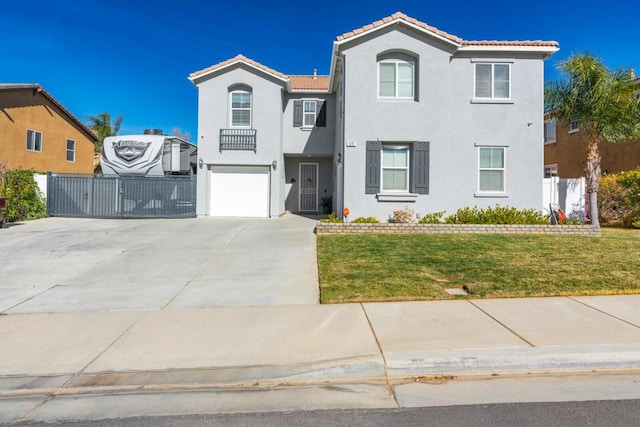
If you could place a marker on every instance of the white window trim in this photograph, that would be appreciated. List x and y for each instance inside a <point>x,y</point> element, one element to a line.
<point>33,142</point>
<point>67,150</point>
<point>552,167</point>
<point>304,113</point>
<point>572,129</point>
<point>492,98</point>
<point>492,193</point>
<point>555,125</point>
<point>231,109</point>
<point>407,168</point>
<point>413,79</point>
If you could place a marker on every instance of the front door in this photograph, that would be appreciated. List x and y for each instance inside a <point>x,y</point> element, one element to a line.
<point>308,193</point>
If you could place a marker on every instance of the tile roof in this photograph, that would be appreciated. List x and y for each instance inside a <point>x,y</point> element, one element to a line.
<point>39,89</point>
<point>396,17</point>
<point>399,16</point>
<point>238,58</point>
<point>309,82</point>
<point>312,82</point>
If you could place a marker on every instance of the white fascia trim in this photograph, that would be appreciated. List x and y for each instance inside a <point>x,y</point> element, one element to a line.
<point>334,55</point>
<point>530,49</point>
<point>309,91</point>
<point>403,22</point>
<point>243,62</point>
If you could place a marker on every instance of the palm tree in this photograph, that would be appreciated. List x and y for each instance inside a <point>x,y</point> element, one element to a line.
<point>102,126</point>
<point>604,103</point>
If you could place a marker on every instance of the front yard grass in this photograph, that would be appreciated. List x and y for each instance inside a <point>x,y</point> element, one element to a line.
<point>395,267</point>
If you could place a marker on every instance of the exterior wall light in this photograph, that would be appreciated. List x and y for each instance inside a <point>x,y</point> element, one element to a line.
<point>201,163</point>
<point>274,164</point>
<point>339,157</point>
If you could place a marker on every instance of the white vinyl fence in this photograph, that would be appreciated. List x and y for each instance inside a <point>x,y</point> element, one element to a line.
<point>568,193</point>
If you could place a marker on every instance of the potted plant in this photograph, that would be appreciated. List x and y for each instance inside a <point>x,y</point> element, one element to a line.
<point>327,204</point>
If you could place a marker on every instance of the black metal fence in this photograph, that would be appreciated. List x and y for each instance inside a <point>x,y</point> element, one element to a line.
<point>121,197</point>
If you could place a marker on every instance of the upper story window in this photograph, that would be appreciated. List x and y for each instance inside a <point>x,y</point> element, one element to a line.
<point>240,102</point>
<point>492,81</point>
<point>574,125</point>
<point>309,113</point>
<point>397,77</point>
<point>71,150</point>
<point>549,131</point>
<point>34,140</point>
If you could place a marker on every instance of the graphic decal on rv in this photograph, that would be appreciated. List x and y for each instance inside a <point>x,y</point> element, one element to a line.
<point>130,150</point>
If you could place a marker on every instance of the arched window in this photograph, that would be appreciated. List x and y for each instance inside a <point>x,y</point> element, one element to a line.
<point>240,103</point>
<point>396,75</point>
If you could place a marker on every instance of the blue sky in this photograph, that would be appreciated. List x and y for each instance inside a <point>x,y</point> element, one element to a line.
<point>133,57</point>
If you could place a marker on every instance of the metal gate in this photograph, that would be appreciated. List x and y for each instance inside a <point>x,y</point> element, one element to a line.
<point>121,197</point>
<point>308,197</point>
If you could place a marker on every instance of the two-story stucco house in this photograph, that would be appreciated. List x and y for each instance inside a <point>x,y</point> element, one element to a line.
<point>410,116</point>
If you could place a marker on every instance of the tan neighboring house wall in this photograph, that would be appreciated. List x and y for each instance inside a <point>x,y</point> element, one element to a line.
<point>569,150</point>
<point>28,107</point>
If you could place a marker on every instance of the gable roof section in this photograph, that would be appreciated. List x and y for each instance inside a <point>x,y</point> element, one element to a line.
<point>401,18</point>
<point>236,60</point>
<point>36,88</point>
<point>294,83</point>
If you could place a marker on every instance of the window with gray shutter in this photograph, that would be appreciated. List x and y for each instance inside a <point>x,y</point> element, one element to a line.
<point>372,172</point>
<point>420,166</point>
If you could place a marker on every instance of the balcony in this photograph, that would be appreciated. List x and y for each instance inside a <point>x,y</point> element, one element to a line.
<point>238,139</point>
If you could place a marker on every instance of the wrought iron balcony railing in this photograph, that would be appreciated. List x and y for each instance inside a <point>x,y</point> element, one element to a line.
<point>238,139</point>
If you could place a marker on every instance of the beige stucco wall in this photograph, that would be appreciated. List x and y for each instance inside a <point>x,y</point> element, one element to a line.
<point>21,110</point>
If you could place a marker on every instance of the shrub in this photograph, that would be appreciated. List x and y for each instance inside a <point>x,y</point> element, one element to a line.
<point>403,216</point>
<point>366,220</point>
<point>497,215</point>
<point>432,218</point>
<point>25,201</point>
<point>619,199</point>
<point>332,218</point>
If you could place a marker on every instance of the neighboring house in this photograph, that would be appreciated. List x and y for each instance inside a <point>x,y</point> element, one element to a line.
<point>37,132</point>
<point>565,150</point>
<point>410,116</point>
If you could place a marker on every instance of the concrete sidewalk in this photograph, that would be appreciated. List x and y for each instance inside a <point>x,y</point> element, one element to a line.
<point>317,343</point>
<point>124,363</point>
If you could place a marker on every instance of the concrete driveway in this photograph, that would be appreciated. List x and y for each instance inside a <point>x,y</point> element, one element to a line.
<point>70,264</point>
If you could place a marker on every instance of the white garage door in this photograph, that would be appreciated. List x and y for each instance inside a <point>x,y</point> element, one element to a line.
<point>240,191</point>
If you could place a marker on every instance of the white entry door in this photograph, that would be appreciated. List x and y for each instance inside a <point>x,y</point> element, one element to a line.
<point>308,193</point>
<point>240,191</point>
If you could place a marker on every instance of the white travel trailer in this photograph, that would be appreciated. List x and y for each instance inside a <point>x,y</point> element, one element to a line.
<point>148,155</point>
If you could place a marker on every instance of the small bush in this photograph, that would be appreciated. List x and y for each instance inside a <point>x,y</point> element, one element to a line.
<point>332,218</point>
<point>619,199</point>
<point>25,201</point>
<point>432,218</point>
<point>366,220</point>
<point>496,215</point>
<point>403,216</point>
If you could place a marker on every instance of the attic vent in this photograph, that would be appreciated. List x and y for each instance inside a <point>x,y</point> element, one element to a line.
<point>153,131</point>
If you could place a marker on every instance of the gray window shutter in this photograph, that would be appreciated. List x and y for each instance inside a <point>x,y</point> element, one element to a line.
<point>420,166</point>
<point>297,113</point>
<point>372,178</point>
<point>321,120</point>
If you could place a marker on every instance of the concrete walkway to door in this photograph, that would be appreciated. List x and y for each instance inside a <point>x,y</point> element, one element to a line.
<point>70,264</point>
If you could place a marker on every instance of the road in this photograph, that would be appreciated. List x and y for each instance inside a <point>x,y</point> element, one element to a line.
<point>616,413</point>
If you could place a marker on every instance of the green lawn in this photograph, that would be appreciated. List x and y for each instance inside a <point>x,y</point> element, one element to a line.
<point>391,267</point>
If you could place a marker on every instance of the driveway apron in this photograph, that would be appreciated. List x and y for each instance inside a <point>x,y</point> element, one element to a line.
<point>66,264</point>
